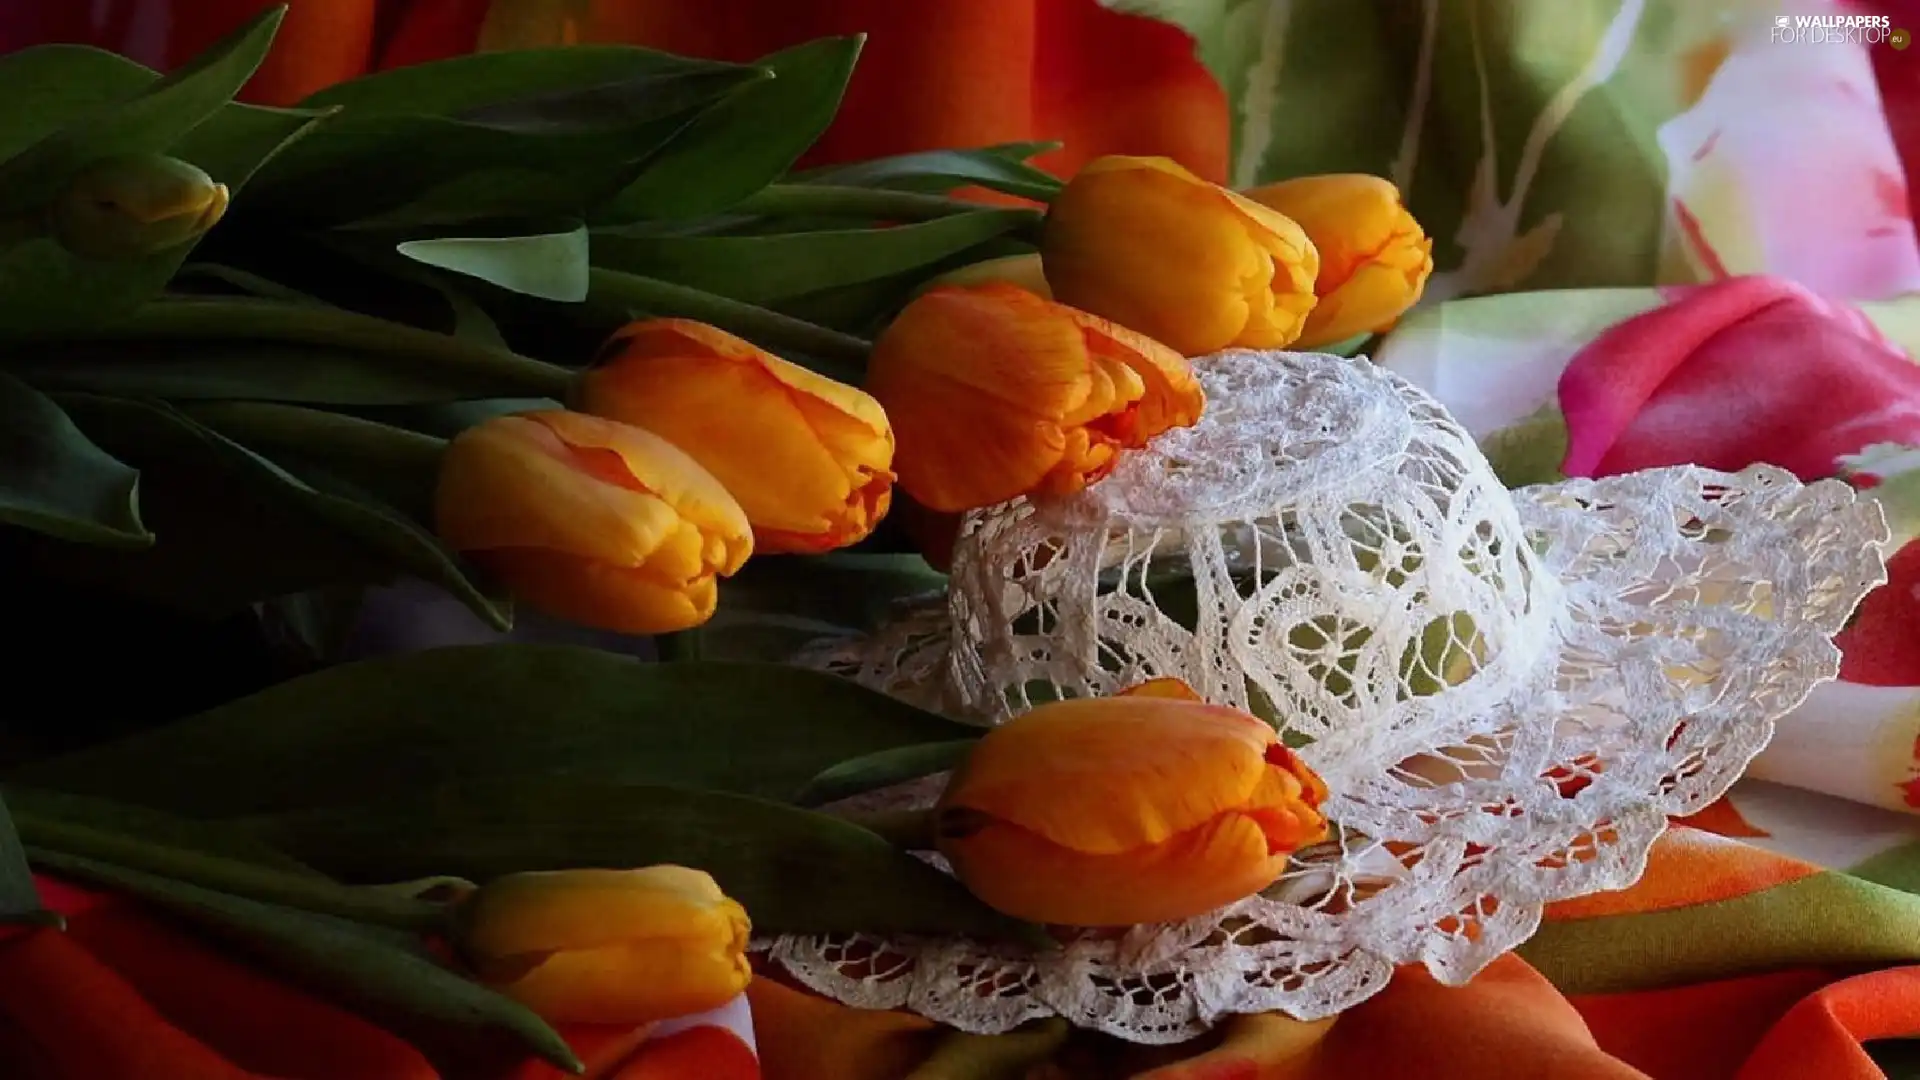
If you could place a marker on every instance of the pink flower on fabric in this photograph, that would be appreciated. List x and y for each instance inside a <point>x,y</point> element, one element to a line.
<point>1739,372</point>
<point>1787,165</point>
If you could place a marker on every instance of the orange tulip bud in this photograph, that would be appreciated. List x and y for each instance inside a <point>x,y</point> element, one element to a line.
<point>1134,809</point>
<point>1148,244</point>
<point>590,520</point>
<point>1374,259</point>
<point>809,459</point>
<point>607,946</point>
<point>996,393</point>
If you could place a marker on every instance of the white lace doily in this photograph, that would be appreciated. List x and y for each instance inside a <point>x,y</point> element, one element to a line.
<point>1507,694</point>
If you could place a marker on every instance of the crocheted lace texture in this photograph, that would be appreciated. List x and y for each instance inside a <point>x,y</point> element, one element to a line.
<point>1507,693</point>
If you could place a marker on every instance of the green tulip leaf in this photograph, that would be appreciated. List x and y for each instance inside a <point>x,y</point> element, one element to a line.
<point>209,347</point>
<point>463,85</point>
<point>1002,169</point>
<point>19,900</point>
<point>49,86</point>
<point>760,269</point>
<point>615,109</point>
<point>446,421</point>
<point>150,122</point>
<point>854,592</point>
<point>464,319</point>
<point>54,480</point>
<point>244,283</point>
<point>140,823</point>
<point>257,370</point>
<point>795,871</point>
<point>1023,151</point>
<point>240,140</point>
<point>451,1018</point>
<point>235,528</point>
<point>551,266</point>
<point>745,142</point>
<point>871,772</point>
<point>779,605</point>
<point>411,722</point>
<point>507,135</point>
<point>862,309</point>
<point>829,352</point>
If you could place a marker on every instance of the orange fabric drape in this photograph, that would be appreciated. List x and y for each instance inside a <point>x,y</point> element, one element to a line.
<point>935,73</point>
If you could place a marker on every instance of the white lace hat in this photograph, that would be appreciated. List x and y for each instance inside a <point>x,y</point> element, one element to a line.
<point>1507,693</point>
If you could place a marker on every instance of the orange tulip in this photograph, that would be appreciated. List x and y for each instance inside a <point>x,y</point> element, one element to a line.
<point>608,946</point>
<point>1148,244</point>
<point>1025,271</point>
<point>1374,259</point>
<point>1147,807</point>
<point>590,520</point>
<point>809,459</point>
<point>996,393</point>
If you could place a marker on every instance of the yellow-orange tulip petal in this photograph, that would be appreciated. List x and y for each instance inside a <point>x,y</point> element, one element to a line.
<point>1207,867</point>
<point>591,520</point>
<point>996,393</point>
<point>1025,271</point>
<point>1140,808</point>
<point>608,946</point>
<point>1374,258</point>
<point>1164,687</point>
<point>808,459</point>
<point>1149,245</point>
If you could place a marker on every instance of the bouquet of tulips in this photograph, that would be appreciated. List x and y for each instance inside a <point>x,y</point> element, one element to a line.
<point>561,329</point>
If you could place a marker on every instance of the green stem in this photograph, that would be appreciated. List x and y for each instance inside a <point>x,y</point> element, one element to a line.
<point>769,328</point>
<point>291,428</point>
<point>314,894</point>
<point>911,830</point>
<point>228,318</point>
<point>827,200</point>
<point>678,648</point>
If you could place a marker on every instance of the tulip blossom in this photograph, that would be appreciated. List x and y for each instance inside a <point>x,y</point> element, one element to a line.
<point>995,393</point>
<point>1146,807</point>
<point>1374,258</point>
<point>590,520</point>
<point>620,947</point>
<point>129,207</point>
<point>1151,246</point>
<point>808,459</point>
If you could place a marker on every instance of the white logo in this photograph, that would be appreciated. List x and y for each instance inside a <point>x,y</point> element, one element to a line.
<point>1832,29</point>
